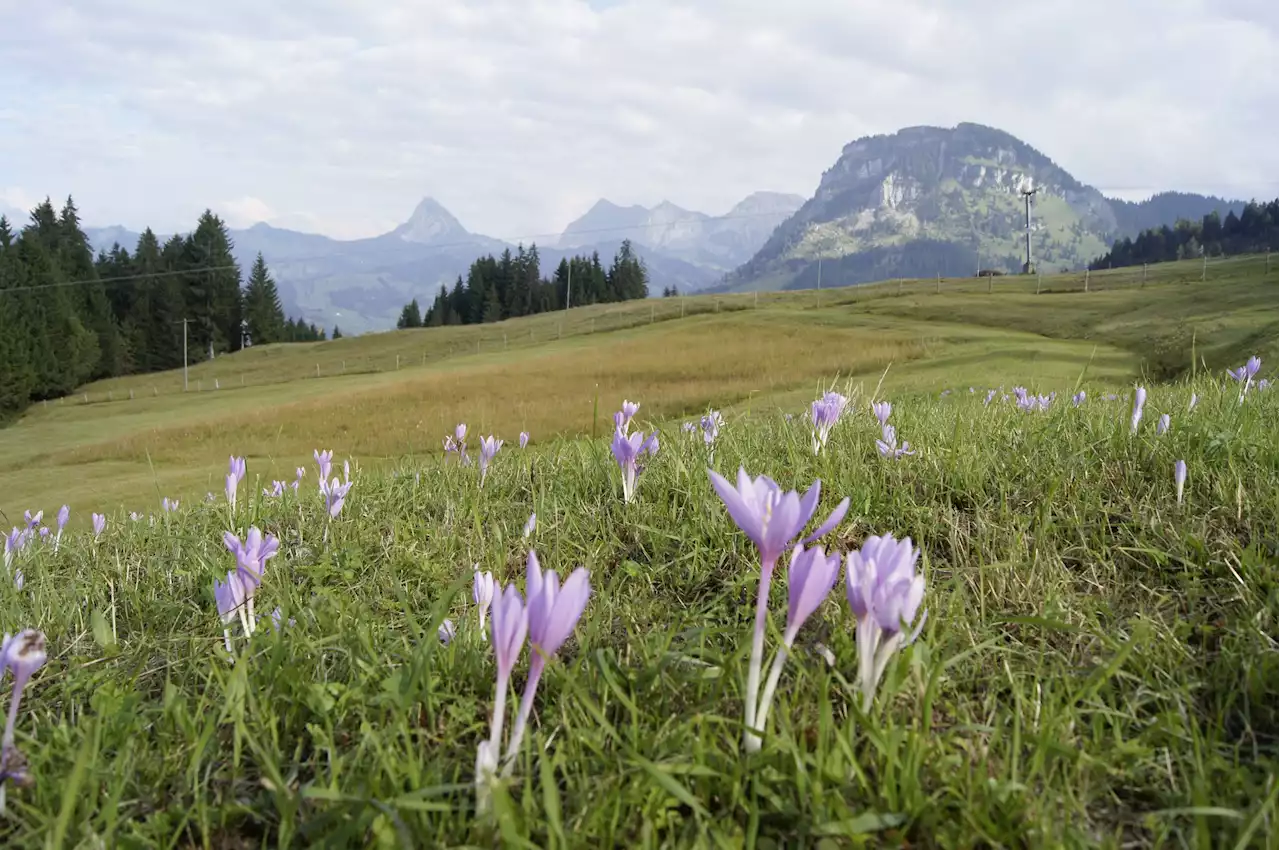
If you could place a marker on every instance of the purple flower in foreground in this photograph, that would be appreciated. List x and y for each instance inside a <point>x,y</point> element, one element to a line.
<point>22,654</point>
<point>810,578</point>
<point>1179,477</point>
<point>882,410</point>
<point>1139,399</point>
<point>236,467</point>
<point>482,589</point>
<point>552,611</point>
<point>33,520</point>
<point>508,627</point>
<point>524,439</point>
<point>824,413</point>
<point>771,518</point>
<point>335,493</point>
<point>627,451</point>
<point>488,449</point>
<point>1162,425</point>
<point>884,593</point>
<point>99,524</point>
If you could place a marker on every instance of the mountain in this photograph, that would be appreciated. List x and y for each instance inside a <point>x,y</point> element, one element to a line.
<point>931,200</point>
<point>713,242</point>
<point>16,217</point>
<point>1133,217</point>
<point>362,284</point>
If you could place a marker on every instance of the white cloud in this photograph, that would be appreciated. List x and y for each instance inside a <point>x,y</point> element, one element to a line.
<point>517,114</point>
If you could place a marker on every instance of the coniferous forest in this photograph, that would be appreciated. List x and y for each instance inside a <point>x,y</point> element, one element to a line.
<point>67,317</point>
<point>512,285</point>
<point>1253,231</point>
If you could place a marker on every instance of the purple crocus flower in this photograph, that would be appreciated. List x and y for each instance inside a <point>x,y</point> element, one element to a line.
<point>689,427</point>
<point>169,505</point>
<point>991,394</point>
<point>482,589</point>
<point>508,627</point>
<point>64,514</point>
<point>488,449</point>
<point>1192,404</point>
<point>524,439</point>
<point>1078,399</point>
<point>622,419</point>
<point>232,487</point>
<point>882,410</point>
<point>710,424</point>
<point>446,632</point>
<point>888,447</point>
<point>324,460</point>
<point>236,467</point>
<point>627,451</point>
<point>810,578</point>
<point>884,593</point>
<point>99,524</point>
<point>230,598</point>
<point>1162,424</point>
<point>824,413</point>
<point>1264,383</point>
<point>33,520</point>
<point>530,524</point>
<point>251,561</point>
<point>552,613</point>
<point>1179,477</point>
<point>335,492</point>
<point>1139,399</point>
<point>13,543</point>
<point>771,518</point>
<point>22,654</point>
<point>278,621</point>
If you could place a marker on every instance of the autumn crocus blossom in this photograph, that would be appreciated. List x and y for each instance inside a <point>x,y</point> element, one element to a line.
<point>230,598</point>
<point>488,449</point>
<point>824,413</point>
<point>508,627</point>
<point>884,593</point>
<point>771,518</point>
<point>810,578</point>
<point>482,588</point>
<point>553,611</point>
<point>22,655</point>
<point>1162,425</point>
<point>99,524</point>
<point>64,514</point>
<point>251,562</point>
<point>524,439</point>
<point>324,460</point>
<point>1179,477</point>
<point>883,409</point>
<point>627,451</point>
<point>1139,399</point>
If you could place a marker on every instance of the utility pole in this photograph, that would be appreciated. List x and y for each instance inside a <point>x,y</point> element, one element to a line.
<point>568,287</point>
<point>819,281</point>
<point>184,355</point>
<point>1026,200</point>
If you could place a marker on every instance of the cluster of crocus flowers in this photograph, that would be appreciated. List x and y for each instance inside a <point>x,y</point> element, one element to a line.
<point>235,597</point>
<point>884,593</point>
<point>772,518</point>
<point>1139,400</point>
<point>887,445</point>
<point>1078,399</point>
<point>235,474</point>
<point>335,491</point>
<point>1245,374</point>
<point>710,423</point>
<point>547,619</point>
<point>1027,401</point>
<point>524,439</point>
<point>457,444</point>
<point>168,505</point>
<point>324,460</point>
<point>488,450</point>
<point>628,448</point>
<point>22,655</point>
<point>824,413</point>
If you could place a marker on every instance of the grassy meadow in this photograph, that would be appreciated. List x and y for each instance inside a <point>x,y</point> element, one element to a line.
<point>544,374</point>
<point>1098,666</point>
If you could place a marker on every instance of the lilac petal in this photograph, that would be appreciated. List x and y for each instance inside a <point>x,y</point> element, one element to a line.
<point>739,511</point>
<point>831,522</point>
<point>808,504</point>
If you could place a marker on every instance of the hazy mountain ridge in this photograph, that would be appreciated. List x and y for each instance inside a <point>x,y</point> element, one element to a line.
<point>362,284</point>
<point>932,200</point>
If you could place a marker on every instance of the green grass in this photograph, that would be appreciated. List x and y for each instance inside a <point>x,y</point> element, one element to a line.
<point>1098,668</point>
<point>543,374</point>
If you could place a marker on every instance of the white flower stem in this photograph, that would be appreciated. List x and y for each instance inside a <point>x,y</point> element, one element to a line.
<point>499,713</point>
<point>751,741</point>
<point>536,665</point>
<point>771,684</point>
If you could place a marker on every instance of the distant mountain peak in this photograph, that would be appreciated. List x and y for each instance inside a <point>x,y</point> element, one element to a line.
<point>430,222</point>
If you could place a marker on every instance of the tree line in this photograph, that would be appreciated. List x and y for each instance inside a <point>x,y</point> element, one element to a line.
<point>1253,231</point>
<point>68,317</point>
<point>512,285</point>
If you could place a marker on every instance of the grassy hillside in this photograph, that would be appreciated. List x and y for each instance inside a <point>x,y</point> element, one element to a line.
<point>1097,667</point>
<point>544,374</point>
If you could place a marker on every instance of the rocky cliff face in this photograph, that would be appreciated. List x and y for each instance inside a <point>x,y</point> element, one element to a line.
<point>925,186</point>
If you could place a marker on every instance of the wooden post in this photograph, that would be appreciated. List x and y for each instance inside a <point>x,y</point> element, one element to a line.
<point>504,340</point>
<point>130,395</point>
<point>397,362</point>
<point>1204,269</point>
<point>111,396</point>
<point>991,282</point>
<point>757,304</point>
<point>242,375</point>
<point>1086,280</point>
<point>1144,275</point>
<point>939,284</point>
<point>899,286</point>
<point>682,306</point>
<point>1037,282</point>
<point>86,398</point>
<point>317,370</point>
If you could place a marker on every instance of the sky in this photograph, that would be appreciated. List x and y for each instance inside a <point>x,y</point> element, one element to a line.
<point>337,117</point>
